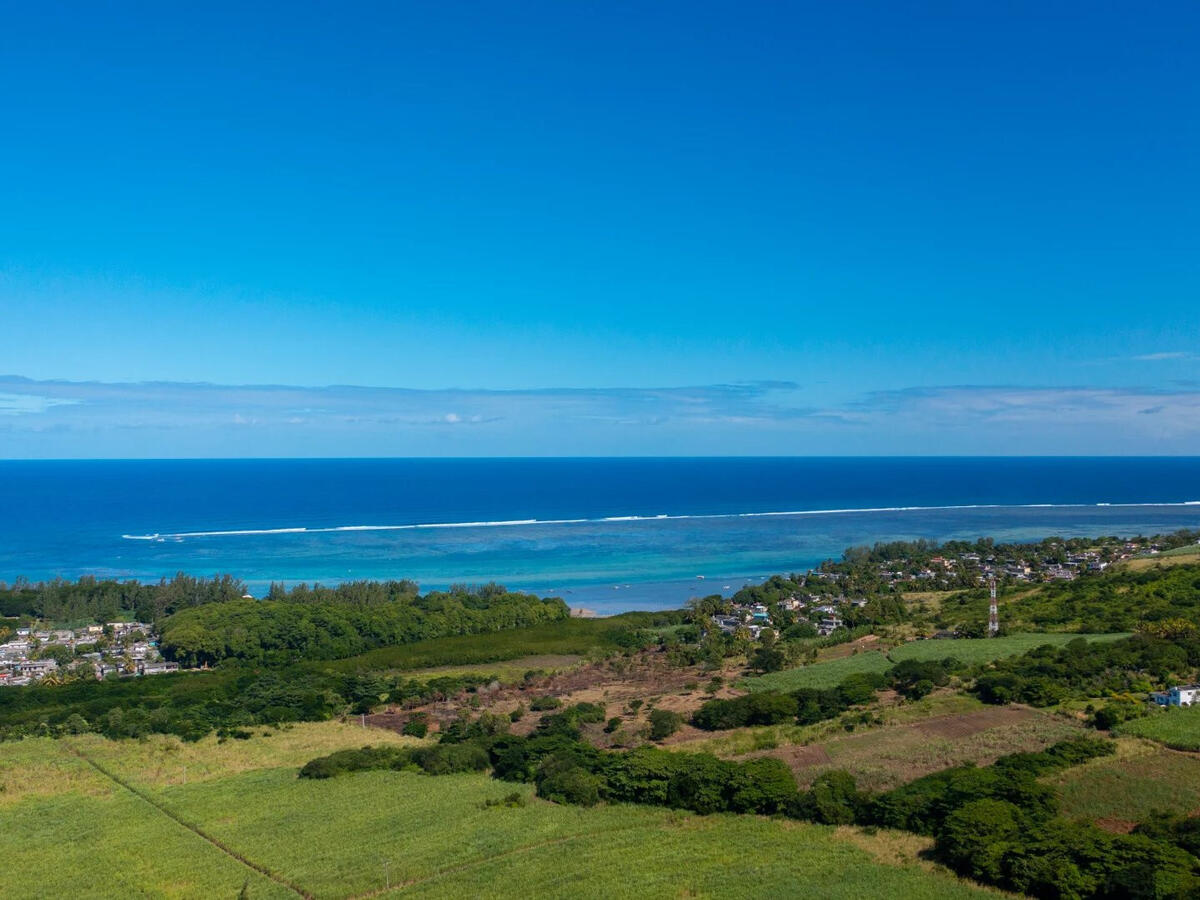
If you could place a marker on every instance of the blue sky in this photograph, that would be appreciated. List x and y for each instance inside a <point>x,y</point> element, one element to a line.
<point>599,228</point>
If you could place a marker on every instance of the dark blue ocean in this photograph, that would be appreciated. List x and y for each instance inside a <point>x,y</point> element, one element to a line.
<point>606,534</point>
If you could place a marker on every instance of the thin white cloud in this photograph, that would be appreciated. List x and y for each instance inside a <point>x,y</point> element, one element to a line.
<point>170,419</point>
<point>1166,355</point>
<point>27,404</point>
<point>1176,413</point>
<point>181,405</point>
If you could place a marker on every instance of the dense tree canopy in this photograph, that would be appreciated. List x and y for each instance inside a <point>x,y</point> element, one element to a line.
<point>314,627</point>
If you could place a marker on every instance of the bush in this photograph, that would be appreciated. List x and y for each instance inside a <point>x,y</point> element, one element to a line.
<point>1117,711</point>
<point>417,726</point>
<point>344,761</point>
<point>833,799</point>
<point>541,704</point>
<point>976,837</point>
<point>663,724</point>
<point>447,759</point>
<point>575,785</point>
<point>914,679</point>
<point>764,785</point>
<point>765,708</point>
<point>859,688</point>
<point>512,800</point>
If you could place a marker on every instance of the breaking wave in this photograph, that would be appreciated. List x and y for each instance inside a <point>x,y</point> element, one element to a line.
<point>510,523</point>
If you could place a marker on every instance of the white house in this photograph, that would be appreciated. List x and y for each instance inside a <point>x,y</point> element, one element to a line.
<point>1180,695</point>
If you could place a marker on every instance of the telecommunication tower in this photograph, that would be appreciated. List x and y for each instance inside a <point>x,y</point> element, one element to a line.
<point>993,610</point>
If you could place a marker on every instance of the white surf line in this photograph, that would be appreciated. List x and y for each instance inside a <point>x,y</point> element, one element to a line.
<point>509,523</point>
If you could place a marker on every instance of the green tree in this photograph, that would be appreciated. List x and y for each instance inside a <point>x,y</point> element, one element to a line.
<point>664,723</point>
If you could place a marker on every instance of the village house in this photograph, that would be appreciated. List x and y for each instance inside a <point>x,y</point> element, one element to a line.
<point>1180,695</point>
<point>157,668</point>
<point>727,624</point>
<point>34,668</point>
<point>829,625</point>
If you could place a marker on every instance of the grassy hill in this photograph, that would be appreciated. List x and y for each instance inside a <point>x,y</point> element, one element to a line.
<point>969,650</point>
<point>207,819</point>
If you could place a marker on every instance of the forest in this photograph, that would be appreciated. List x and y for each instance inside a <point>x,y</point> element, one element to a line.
<point>327,625</point>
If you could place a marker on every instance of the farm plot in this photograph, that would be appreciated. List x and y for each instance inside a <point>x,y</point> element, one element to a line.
<point>1117,792</point>
<point>985,650</point>
<point>882,758</point>
<point>241,819</point>
<point>1176,728</point>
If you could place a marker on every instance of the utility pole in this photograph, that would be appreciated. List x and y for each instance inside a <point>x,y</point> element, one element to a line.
<point>993,610</point>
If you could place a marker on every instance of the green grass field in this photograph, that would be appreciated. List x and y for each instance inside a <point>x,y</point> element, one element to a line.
<point>819,675</point>
<point>1125,789</point>
<point>968,650</point>
<point>77,832</point>
<point>984,650</point>
<point>1173,727</point>
<point>1180,556</point>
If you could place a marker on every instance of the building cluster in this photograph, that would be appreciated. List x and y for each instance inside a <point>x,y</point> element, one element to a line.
<point>125,649</point>
<point>1036,564</point>
<point>826,613</point>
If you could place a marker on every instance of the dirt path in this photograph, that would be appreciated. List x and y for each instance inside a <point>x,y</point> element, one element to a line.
<point>194,829</point>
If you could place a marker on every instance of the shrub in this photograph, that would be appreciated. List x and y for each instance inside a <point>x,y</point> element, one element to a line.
<point>417,726</point>
<point>663,724</point>
<point>575,785</point>
<point>765,708</point>
<point>764,785</point>
<point>817,704</point>
<point>356,761</point>
<point>833,799</point>
<point>512,800</point>
<point>1117,711</point>
<point>700,783</point>
<point>976,837</point>
<point>541,704</point>
<point>914,679</point>
<point>447,759</point>
<point>859,688</point>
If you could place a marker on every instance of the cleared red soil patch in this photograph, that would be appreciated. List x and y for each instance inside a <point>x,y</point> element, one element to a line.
<point>972,723</point>
<point>612,684</point>
<point>866,642</point>
<point>803,757</point>
<point>881,758</point>
<point>1116,826</point>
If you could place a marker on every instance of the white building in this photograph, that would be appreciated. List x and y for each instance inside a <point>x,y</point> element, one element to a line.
<point>1183,695</point>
